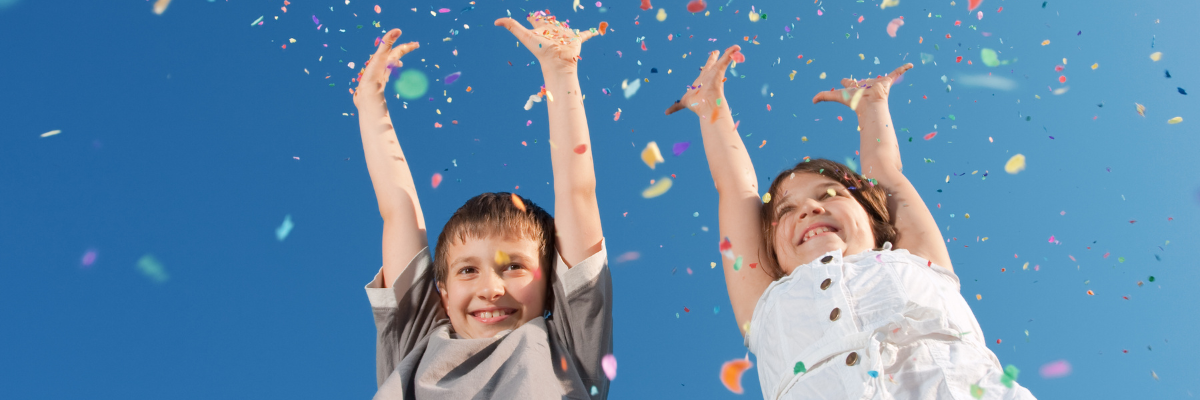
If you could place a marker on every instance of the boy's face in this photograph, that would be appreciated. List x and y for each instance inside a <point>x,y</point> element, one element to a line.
<point>483,295</point>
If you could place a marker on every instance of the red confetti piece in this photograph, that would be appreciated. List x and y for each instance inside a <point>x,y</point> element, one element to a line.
<point>437,125</point>
<point>1062,79</point>
<point>696,6</point>
<point>580,149</point>
<point>643,45</point>
<point>930,135</point>
<point>603,27</point>
<point>437,180</point>
<point>973,4</point>
<point>768,107</point>
<point>958,59</point>
<point>646,5</point>
<point>377,10</point>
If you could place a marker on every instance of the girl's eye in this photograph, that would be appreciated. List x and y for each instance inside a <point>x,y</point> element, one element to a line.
<point>513,267</point>
<point>466,270</point>
<point>785,210</point>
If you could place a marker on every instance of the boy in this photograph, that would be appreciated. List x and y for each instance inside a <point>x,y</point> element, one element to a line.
<point>490,318</point>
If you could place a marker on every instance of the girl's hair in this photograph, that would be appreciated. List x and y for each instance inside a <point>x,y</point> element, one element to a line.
<point>871,196</point>
<point>496,214</point>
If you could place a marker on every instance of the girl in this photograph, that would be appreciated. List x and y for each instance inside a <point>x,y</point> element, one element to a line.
<point>853,296</point>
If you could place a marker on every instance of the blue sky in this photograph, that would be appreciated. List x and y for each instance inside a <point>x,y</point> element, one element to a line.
<point>180,135</point>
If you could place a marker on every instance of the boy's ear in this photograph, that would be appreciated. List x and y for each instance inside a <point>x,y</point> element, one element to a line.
<point>441,288</point>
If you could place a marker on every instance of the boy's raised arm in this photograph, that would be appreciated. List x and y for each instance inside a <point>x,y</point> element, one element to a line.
<point>403,222</point>
<point>576,215</point>
<point>917,230</point>
<point>737,184</point>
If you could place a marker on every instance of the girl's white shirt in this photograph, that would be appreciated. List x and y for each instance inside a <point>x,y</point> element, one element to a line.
<point>901,330</point>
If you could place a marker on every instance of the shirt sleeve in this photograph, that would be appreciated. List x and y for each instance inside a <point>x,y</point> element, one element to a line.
<point>404,313</point>
<point>582,315</point>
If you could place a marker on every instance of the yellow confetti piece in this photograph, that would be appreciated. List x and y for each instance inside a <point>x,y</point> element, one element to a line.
<point>968,216</point>
<point>854,100</point>
<point>809,61</point>
<point>1096,65</point>
<point>792,76</point>
<point>292,40</point>
<point>160,6</point>
<point>1156,56</point>
<point>657,189</point>
<point>1140,109</point>
<point>822,75</point>
<point>831,192</point>
<point>888,3</point>
<point>502,258</point>
<point>766,198</point>
<point>651,155</point>
<point>754,16</point>
<point>662,15</point>
<point>1045,42</point>
<point>861,56</point>
<point>804,138</point>
<point>51,133</point>
<point>979,297</point>
<point>1026,266</point>
<point>712,265</point>
<point>1015,164</point>
<point>1175,120</point>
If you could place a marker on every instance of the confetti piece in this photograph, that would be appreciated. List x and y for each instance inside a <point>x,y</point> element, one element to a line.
<point>257,21</point>
<point>517,202</point>
<point>631,88</point>
<point>449,79</point>
<point>696,6</point>
<point>502,258</point>
<point>989,58</point>
<point>893,26</point>
<point>436,180</point>
<point>1046,42</point>
<point>930,135</point>
<point>678,148</point>
<point>662,16</point>
<point>973,4</point>
<point>1010,375</point>
<point>978,297</point>
<point>1015,164</point>
<point>651,155</point>
<point>766,198</point>
<point>1141,110</point>
<point>377,9</point>
<point>285,228</point>
<point>411,85</point>
<point>51,133</point>
<point>1090,293</point>
<point>887,3</point>
<point>726,248</point>
<point>629,256</point>
<point>738,57</point>
<point>603,27</point>
<point>646,5</point>
<point>580,149</point>
<point>533,98</point>
<point>152,268</point>
<point>160,6</point>
<point>657,189</point>
<point>1055,369</point>
<point>1155,56</point>
<point>731,374</point>
<point>1181,91</point>
<point>617,115</point>
<point>1175,120</point>
<point>609,364</point>
<point>89,258</point>
<point>976,391</point>
<point>799,367</point>
<point>1096,65</point>
<point>822,76</point>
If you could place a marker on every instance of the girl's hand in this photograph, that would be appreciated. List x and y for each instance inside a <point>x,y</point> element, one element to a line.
<point>868,92</point>
<point>378,69</point>
<point>706,95</point>
<point>555,44</point>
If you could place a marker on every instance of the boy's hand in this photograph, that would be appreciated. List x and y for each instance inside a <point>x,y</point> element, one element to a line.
<point>555,44</point>
<point>378,69</point>
<point>867,92</point>
<point>707,94</point>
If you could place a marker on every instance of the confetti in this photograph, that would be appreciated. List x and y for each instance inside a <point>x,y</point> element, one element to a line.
<point>160,6</point>
<point>631,88</point>
<point>617,115</point>
<point>580,149</point>
<point>989,58</point>
<point>1015,164</point>
<point>930,135</point>
<point>726,248</point>
<point>696,6</point>
<point>1175,120</point>
<point>895,25</point>
<point>1010,375</point>
<point>646,5</point>
<point>436,180</point>
<point>1055,369</point>
<point>678,148</point>
<point>731,374</point>
<point>449,79</point>
<point>657,189</point>
<point>651,155</point>
<point>973,4</point>
<point>886,3</point>
<point>629,256</point>
<point>603,27</point>
<point>609,364</point>
<point>412,84</point>
<point>987,81</point>
<point>257,21</point>
<point>1155,56</point>
<point>285,228</point>
<point>976,391</point>
<point>89,258</point>
<point>502,258</point>
<point>533,98</point>
<point>377,9</point>
<point>517,202</point>
<point>51,133</point>
<point>152,268</point>
<point>766,198</point>
<point>662,16</point>
<point>1141,110</point>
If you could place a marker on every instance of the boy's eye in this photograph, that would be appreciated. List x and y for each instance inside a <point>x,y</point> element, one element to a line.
<point>466,270</point>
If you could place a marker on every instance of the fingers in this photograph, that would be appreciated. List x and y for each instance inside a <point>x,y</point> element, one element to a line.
<point>829,95</point>
<point>900,71</point>
<point>849,83</point>
<point>386,43</point>
<point>676,107</point>
<point>393,58</point>
<point>712,59</point>
<point>723,62</point>
<point>523,35</point>
<point>588,34</point>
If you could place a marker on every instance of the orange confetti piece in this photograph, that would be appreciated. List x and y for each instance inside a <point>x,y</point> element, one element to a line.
<point>521,206</point>
<point>437,125</point>
<point>377,9</point>
<point>731,374</point>
<point>764,143</point>
<point>603,27</point>
<point>1090,293</point>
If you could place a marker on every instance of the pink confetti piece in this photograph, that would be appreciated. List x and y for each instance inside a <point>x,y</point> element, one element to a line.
<point>696,6</point>
<point>820,13</point>
<point>436,180</point>
<point>443,10</point>
<point>629,256</point>
<point>377,9</point>
<point>894,26</point>
<point>609,364</point>
<point>88,259</point>
<point>528,122</point>
<point>1055,369</point>
<point>930,135</point>
<point>1051,238</point>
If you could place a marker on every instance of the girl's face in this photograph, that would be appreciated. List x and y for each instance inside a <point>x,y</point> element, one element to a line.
<point>814,215</point>
<point>485,294</point>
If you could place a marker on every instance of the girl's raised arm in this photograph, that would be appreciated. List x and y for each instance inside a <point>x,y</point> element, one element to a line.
<point>737,185</point>
<point>916,229</point>
<point>403,222</point>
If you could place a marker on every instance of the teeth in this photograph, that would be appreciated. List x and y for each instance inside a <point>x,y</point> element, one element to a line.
<point>815,232</point>
<point>492,314</point>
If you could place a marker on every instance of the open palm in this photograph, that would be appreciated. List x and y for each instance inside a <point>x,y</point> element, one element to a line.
<point>865,91</point>
<point>707,92</point>
<point>553,42</point>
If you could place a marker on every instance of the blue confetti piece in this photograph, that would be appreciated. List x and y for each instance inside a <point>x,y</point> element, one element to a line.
<point>1181,91</point>
<point>284,229</point>
<point>873,374</point>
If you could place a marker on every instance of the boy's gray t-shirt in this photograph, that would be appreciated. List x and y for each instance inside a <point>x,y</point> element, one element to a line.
<point>557,357</point>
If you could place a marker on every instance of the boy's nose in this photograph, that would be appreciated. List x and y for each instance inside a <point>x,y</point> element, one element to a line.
<point>492,289</point>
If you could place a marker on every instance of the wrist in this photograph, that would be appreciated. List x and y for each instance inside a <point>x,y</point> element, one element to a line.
<point>558,73</point>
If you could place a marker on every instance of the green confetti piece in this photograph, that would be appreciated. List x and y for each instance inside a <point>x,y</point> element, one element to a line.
<point>1120,259</point>
<point>737,265</point>
<point>152,268</point>
<point>976,391</point>
<point>952,117</point>
<point>1010,375</point>
<point>1151,278</point>
<point>799,368</point>
<point>412,84</point>
<point>989,58</point>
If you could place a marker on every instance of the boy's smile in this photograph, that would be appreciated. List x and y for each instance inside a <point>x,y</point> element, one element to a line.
<point>493,284</point>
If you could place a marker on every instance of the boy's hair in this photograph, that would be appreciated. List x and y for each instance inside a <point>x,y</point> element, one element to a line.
<point>492,214</point>
<point>870,195</point>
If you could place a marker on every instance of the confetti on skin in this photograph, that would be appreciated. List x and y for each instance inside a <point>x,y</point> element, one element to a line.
<point>1175,120</point>
<point>436,180</point>
<point>89,258</point>
<point>658,188</point>
<point>629,256</point>
<point>152,268</point>
<point>895,25</point>
<point>51,133</point>
<point>285,228</point>
<point>651,155</point>
<point>766,198</point>
<point>502,258</point>
<point>1015,164</point>
<point>1055,369</point>
<point>726,248</point>
<point>609,364</point>
<point>411,85</point>
<point>1010,375</point>
<point>160,6</point>
<point>731,374</point>
<point>738,57</point>
<point>1155,56</point>
<point>517,202</point>
<point>1141,110</point>
<point>696,6</point>
<point>449,79</point>
<point>678,148</point>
